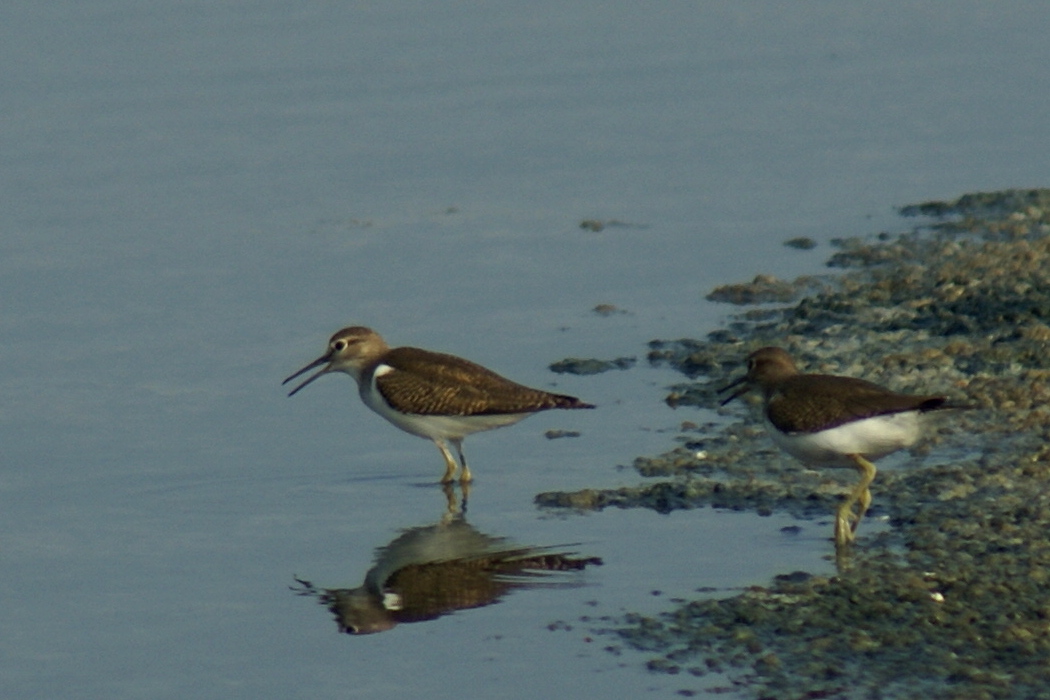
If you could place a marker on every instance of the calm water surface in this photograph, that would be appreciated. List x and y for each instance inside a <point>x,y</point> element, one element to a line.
<point>197,194</point>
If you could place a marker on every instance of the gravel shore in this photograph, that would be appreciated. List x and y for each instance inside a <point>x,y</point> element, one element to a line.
<point>953,600</point>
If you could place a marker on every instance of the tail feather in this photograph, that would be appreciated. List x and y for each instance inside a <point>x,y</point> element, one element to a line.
<point>565,401</point>
<point>942,403</point>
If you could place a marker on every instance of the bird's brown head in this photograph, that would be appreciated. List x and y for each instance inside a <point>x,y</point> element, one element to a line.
<point>350,350</point>
<point>765,367</point>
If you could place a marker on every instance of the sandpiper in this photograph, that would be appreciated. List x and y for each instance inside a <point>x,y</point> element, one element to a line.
<point>832,421</point>
<point>436,396</point>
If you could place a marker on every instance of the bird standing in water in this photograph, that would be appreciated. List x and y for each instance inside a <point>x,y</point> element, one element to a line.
<point>436,396</point>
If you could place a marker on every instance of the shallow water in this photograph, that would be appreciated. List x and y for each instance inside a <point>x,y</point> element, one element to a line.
<point>199,194</point>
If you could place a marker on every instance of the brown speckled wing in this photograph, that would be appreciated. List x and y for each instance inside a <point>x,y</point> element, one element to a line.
<point>808,403</point>
<point>435,588</point>
<point>431,383</point>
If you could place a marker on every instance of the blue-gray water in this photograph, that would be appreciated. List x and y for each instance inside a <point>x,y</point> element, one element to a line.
<point>196,194</point>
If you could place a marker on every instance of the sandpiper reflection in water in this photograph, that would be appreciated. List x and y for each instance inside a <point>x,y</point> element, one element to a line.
<point>435,570</point>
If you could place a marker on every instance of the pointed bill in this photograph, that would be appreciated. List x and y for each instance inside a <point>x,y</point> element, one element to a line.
<point>323,359</point>
<point>733,385</point>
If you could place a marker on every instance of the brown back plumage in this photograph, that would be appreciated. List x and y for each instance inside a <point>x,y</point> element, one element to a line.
<point>807,403</point>
<point>822,401</point>
<point>432,383</point>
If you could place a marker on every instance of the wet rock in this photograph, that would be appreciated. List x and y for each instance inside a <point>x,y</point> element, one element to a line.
<point>762,289</point>
<point>607,310</point>
<point>801,243</point>
<point>557,434</point>
<point>589,499</point>
<point>597,225</point>
<point>984,204</point>
<point>585,366</point>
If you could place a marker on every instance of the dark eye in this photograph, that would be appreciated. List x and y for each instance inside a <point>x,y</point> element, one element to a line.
<point>339,345</point>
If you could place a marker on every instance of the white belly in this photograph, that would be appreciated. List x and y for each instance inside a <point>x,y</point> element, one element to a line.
<point>871,438</point>
<point>438,427</point>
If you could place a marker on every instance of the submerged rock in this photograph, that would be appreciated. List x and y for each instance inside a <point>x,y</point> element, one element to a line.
<point>584,366</point>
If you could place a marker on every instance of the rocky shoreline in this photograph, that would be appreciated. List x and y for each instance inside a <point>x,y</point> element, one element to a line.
<point>952,601</point>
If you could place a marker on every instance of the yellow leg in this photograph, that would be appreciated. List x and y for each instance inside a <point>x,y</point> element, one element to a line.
<point>844,530</point>
<point>464,476</point>
<point>450,463</point>
<point>865,502</point>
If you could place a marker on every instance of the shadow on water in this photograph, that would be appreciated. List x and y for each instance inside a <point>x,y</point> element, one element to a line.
<point>434,570</point>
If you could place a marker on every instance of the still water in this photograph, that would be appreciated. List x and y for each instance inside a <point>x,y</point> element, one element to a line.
<point>197,194</point>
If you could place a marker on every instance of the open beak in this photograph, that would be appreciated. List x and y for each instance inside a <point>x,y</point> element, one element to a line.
<point>727,387</point>
<point>323,359</point>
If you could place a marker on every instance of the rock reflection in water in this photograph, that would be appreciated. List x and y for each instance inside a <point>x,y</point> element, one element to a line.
<point>433,570</point>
